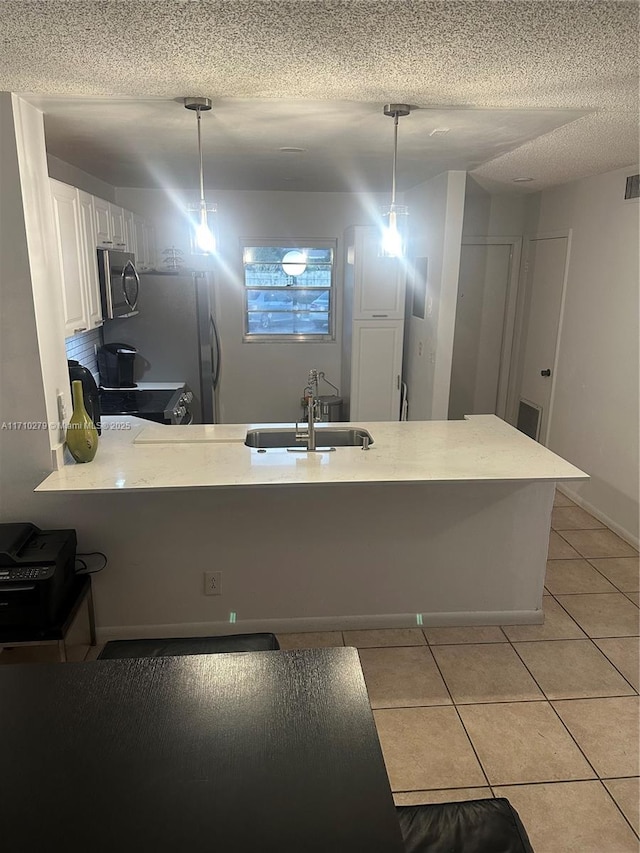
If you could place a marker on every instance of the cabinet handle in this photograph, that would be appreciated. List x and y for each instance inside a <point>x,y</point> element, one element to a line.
<point>77,331</point>
<point>379,315</point>
<point>398,382</point>
<point>107,242</point>
<point>97,322</point>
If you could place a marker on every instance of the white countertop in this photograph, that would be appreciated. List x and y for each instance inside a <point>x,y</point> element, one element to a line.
<point>482,448</point>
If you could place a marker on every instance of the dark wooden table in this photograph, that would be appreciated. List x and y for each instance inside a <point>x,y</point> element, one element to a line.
<point>257,752</point>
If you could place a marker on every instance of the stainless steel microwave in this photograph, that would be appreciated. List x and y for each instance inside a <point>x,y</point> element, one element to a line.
<point>119,284</point>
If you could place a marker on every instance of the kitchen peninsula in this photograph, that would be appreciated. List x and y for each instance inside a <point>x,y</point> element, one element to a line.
<point>438,523</point>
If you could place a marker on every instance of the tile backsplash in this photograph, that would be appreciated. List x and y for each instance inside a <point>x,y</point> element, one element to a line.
<point>82,348</point>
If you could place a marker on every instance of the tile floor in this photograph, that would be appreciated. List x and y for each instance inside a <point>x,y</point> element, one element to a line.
<point>546,715</point>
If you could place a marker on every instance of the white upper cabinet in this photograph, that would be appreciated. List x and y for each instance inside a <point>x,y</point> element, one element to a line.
<point>116,215</point>
<point>89,243</point>
<point>70,256</point>
<point>103,223</point>
<point>378,283</point>
<point>129,231</point>
<point>144,243</point>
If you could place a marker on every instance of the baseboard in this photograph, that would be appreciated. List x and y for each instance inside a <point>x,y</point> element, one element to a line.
<point>322,623</point>
<point>620,531</point>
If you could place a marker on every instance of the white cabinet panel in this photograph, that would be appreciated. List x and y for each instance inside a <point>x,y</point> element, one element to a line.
<point>67,224</point>
<point>150,246</point>
<point>139,240</point>
<point>129,232</point>
<point>379,283</point>
<point>116,216</point>
<point>92,285</point>
<point>376,368</point>
<point>103,223</point>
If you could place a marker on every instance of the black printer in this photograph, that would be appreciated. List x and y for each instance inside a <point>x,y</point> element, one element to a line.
<point>37,569</point>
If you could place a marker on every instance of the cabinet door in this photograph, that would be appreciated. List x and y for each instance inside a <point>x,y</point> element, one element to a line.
<point>116,215</point>
<point>379,283</point>
<point>67,224</point>
<point>103,223</point>
<point>376,367</point>
<point>89,251</point>
<point>129,232</point>
<point>139,240</point>
<point>150,246</point>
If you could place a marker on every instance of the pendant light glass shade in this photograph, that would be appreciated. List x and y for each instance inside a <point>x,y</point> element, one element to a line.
<point>201,213</point>
<point>393,238</point>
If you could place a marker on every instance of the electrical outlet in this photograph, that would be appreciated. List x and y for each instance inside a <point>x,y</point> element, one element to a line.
<point>213,583</point>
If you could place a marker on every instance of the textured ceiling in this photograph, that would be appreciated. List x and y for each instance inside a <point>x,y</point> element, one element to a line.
<point>576,58</point>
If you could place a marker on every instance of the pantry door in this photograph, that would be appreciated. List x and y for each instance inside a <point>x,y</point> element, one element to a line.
<point>545,276</point>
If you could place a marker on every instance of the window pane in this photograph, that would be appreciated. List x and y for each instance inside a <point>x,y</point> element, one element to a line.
<point>288,323</point>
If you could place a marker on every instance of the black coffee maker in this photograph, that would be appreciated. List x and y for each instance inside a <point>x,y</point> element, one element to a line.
<point>116,363</point>
<point>89,390</point>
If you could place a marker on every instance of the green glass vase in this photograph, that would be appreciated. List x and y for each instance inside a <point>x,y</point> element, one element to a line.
<point>82,435</point>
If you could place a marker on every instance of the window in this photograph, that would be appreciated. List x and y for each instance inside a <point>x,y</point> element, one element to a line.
<point>289,292</point>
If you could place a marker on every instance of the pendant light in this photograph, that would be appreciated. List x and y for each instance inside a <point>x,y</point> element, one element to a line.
<point>203,241</point>
<point>393,232</point>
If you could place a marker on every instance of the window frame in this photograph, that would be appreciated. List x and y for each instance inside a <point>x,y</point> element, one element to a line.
<point>257,338</point>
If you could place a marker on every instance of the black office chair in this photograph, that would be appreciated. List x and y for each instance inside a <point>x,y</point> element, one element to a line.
<point>177,646</point>
<point>475,826</point>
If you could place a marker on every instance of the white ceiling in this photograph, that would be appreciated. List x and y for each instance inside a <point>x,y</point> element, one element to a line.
<point>542,89</point>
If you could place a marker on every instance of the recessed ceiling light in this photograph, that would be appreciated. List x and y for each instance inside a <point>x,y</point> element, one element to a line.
<point>521,180</point>
<point>438,130</point>
<point>292,150</point>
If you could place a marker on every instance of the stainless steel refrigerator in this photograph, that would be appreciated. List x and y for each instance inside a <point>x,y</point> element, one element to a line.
<point>176,336</point>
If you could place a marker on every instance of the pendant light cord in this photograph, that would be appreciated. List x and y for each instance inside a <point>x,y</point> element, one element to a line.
<point>202,201</point>
<point>395,157</point>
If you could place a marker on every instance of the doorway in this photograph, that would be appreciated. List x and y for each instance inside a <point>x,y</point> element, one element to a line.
<point>484,327</point>
<point>540,323</point>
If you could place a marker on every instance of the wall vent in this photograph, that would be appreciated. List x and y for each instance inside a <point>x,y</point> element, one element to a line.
<point>529,416</point>
<point>632,189</point>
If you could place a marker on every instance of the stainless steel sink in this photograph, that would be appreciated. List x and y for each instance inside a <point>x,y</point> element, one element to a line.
<point>325,437</point>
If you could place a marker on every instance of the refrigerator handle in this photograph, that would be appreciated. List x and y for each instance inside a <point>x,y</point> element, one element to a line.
<point>215,344</point>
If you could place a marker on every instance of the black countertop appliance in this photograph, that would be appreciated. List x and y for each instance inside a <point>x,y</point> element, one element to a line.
<point>89,390</point>
<point>115,365</point>
<point>37,568</point>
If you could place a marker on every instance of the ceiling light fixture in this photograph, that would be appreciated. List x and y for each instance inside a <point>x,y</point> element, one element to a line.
<point>203,237</point>
<point>392,245</point>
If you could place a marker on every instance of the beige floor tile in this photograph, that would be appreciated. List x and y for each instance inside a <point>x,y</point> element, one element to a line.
<point>310,640</point>
<point>523,742</point>
<point>446,795</point>
<point>94,651</point>
<point>402,677</point>
<point>623,572</point>
<point>572,669</point>
<point>624,654</point>
<point>384,637</point>
<point>557,626</point>
<point>485,673</point>
<point>559,549</point>
<point>453,636</point>
<point>598,543</point>
<point>603,615</point>
<point>29,654</point>
<point>570,817</point>
<point>626,793</point>
<point>562,500</point>
<point>635,597</point>
<point>573,518</point>
<point>568,577</point>
<point>427,748</point>
<point>607,732</point>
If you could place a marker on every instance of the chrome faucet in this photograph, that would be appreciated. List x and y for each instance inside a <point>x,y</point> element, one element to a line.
<point>310,395</point>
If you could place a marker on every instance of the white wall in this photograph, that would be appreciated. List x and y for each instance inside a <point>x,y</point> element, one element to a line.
<point>435,231</point>
<point>260,381</point>
<point>594,422</point>
<point>25,456</point>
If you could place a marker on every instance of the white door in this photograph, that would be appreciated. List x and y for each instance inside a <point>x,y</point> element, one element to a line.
<point>376,368</point>
<point>92,284</point>
<point>482,335</point>
<point>545,276</point>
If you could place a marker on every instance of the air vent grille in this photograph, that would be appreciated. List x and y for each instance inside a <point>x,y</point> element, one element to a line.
<point>632,189</point>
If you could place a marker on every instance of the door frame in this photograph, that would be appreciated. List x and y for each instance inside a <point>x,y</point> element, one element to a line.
<point>521,326</point>
<point>510,311</point>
